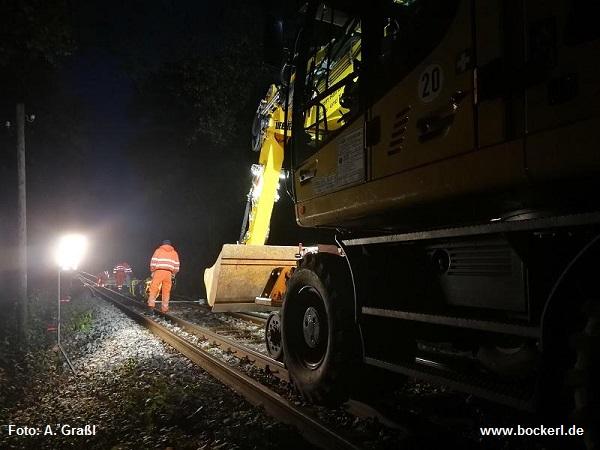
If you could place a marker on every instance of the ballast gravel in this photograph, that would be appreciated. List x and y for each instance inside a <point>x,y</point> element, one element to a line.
<point>250,334</point>
<point>132,391</point>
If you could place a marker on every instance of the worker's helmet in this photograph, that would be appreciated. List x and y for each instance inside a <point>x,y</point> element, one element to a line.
<point>166,242</point>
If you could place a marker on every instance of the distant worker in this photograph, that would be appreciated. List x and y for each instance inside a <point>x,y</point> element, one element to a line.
<point>164,265</point>
<point>128,274</point>
<point>102,278</point>
<point>121,271</point>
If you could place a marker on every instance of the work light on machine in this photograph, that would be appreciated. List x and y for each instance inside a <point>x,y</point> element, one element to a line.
<point>70,251</point>
<point>257,170</point>
<point>257,184</point>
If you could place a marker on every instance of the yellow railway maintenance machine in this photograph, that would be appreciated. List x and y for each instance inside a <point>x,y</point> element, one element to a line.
<point>250,275</point>
<point>454,146</point>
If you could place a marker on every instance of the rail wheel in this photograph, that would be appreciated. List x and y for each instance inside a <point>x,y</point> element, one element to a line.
<point>319,334</point>
<point>273,336</point>
<point>516,361</point>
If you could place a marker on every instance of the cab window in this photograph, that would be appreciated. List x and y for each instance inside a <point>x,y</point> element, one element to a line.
<point>331,85</point>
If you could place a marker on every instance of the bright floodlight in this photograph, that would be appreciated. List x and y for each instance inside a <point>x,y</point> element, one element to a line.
<point>70,251</point>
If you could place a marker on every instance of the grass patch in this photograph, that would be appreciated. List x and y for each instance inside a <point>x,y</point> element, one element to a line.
<point>81,322</point>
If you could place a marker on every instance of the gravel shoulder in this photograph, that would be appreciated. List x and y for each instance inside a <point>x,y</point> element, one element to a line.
<point>137,391</point>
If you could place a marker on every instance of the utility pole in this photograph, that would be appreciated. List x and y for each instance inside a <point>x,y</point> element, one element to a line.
<point>21,297</point>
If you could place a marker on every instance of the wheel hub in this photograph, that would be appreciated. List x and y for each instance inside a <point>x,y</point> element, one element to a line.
<point>273,336</point>
<point>274,333</point>
<point>311,327</point>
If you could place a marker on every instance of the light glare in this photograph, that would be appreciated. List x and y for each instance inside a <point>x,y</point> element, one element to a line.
<point>70,251</point>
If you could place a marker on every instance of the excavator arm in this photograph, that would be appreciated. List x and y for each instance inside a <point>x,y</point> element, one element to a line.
<point>268,139</point>
<point>250,270</point>
<point>251,275</point>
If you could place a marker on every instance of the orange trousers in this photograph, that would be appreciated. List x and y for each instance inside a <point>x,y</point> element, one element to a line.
<point>161,280</point>
<point>120,276</point>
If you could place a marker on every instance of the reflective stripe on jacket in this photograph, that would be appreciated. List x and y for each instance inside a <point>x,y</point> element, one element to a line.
<point>122,267</point>
<point>166,258</point>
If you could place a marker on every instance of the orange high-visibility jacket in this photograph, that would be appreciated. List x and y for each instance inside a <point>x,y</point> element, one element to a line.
<point>103,277</point>
<point>122,267</point>
<point>166,258</point>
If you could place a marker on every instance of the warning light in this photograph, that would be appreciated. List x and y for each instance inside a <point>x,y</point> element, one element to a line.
<point>70,251</point>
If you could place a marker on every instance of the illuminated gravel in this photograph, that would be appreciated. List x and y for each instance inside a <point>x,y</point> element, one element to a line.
<point>140,394</point>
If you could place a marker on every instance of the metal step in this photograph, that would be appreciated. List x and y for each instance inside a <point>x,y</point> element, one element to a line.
<point>460,322</point>
<point>469,382</point>
<point>544,223</point>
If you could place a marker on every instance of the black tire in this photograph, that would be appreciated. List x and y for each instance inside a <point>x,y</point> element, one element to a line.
<point>584,377</point>
<point>569,385</point>
<point>320,338</point>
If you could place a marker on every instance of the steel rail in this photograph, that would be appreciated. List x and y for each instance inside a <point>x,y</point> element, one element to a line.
<point>183,299</point>
<point>264,362</point>
<point>248,317</point>
<point>257,394</point>
<point>484,388</point>
<point>275,367</point>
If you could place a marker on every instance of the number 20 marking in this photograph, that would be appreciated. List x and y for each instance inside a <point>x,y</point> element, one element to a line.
<point>430,82</point>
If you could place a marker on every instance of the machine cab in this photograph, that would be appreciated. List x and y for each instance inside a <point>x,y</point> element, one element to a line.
<point>406,105</point>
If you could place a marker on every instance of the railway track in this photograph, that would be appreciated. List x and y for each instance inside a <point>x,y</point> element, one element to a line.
<point>405,410</point>
<point>257,318</point>
<point>430,366</point>
<point>228,345</point>
<point>256,393</point>
<point>434,367</point>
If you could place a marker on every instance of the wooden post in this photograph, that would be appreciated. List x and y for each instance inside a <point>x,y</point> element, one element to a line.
<point>21,297</point>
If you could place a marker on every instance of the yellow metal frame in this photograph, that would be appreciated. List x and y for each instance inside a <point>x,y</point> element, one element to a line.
<point>266,178</point>
<point>330,108</point>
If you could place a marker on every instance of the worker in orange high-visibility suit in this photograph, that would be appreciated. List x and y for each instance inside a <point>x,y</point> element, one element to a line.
<point>121,270</point>
<point>102,278</point>
<point>164,265</point>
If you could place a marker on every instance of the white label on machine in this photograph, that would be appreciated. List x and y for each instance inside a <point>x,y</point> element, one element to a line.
<point>322,185</point>
<point>351,158</point>
<point>350,166</point>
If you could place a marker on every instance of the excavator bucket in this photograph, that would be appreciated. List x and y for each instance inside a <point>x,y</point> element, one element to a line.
<point>241,273</point>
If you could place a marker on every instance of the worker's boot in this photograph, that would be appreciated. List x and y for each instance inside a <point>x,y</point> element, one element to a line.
<point>151,302</point>
<point>164,306</point>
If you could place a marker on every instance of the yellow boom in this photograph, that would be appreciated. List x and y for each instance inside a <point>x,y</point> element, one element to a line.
<point>251,275</point>
<point>263,193</point>
<point>242,270</point>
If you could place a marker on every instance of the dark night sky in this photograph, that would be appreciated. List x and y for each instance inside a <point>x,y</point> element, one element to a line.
<point>85,172</point>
